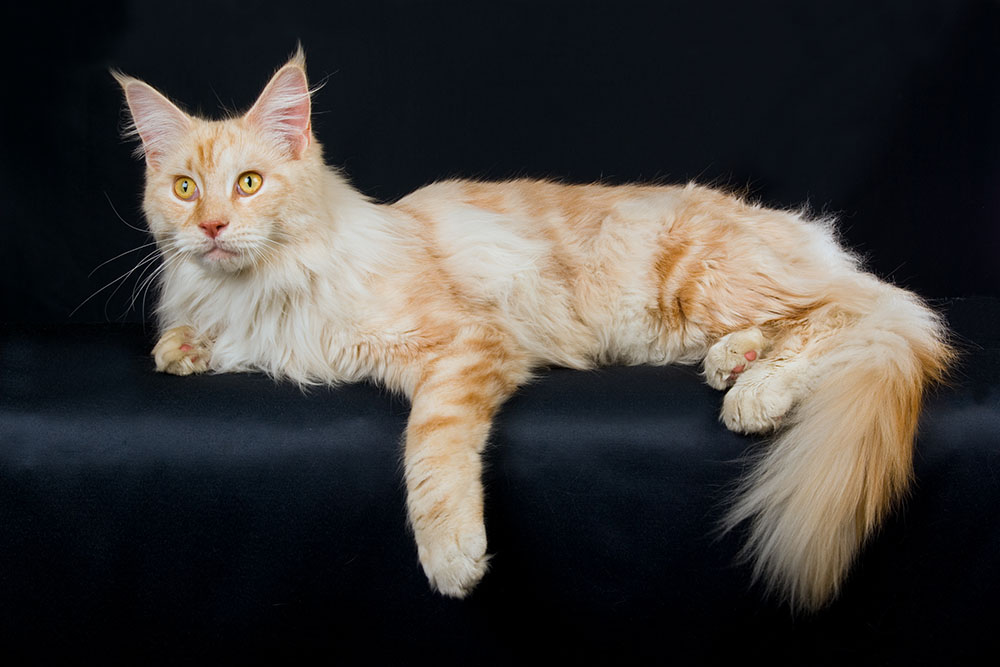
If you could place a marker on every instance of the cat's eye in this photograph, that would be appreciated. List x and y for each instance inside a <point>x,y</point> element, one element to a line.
<point>185,187</point>
<point>249,182</point>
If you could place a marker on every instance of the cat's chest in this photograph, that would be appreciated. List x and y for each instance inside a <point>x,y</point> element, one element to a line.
<point>316,349</point>
<point>309,331</point>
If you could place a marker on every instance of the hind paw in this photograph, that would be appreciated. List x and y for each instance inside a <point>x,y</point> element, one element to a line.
<point>732,355</point>
<point>755,407</point>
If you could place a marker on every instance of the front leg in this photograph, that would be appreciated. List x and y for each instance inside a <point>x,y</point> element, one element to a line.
<point>454,403</point>
<point>181,351</point>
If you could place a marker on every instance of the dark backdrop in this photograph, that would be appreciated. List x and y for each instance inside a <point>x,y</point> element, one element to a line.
<point>885,113</point>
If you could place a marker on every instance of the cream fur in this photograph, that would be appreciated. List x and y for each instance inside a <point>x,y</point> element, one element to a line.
<point>456,293</point>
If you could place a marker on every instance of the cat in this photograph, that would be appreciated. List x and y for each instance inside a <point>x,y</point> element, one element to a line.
<point>457,293</point>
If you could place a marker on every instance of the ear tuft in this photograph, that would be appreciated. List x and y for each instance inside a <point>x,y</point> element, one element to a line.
<point>298,58</point>
<point>283,108</point>
<point>155,119</point>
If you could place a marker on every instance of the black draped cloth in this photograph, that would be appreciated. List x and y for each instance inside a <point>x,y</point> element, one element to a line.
<point>225,517</point>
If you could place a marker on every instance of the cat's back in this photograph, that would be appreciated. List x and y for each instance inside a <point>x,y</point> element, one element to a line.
<point>550,207</point>
<point>603,260</point>
<point>566,266</point>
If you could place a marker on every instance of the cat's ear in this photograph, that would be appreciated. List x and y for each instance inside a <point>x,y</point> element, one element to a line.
<point>283,109</point>
<point>155,119</point>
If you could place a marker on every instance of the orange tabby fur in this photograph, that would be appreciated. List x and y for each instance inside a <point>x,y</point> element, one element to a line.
<point>456,293</point>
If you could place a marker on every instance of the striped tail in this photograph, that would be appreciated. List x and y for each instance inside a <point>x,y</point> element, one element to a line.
<point>844,457</point>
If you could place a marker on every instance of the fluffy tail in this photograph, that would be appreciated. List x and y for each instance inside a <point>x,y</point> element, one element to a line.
<point>844,457</point>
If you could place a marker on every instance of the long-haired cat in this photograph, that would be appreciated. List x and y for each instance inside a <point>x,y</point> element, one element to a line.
<point>455,294</point>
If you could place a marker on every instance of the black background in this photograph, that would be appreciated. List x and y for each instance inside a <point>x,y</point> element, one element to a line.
<point>886,114</point>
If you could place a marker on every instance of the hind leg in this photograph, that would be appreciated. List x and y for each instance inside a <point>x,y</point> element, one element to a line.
<point>764,382</point>
<point>762,396</point>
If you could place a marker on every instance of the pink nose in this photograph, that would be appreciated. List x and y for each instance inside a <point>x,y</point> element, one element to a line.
<point>213,227</point>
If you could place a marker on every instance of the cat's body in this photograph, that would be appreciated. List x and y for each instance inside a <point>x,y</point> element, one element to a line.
<point>457,293</point>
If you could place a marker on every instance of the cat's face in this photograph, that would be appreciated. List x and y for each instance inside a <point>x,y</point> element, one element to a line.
<point>221,193</point>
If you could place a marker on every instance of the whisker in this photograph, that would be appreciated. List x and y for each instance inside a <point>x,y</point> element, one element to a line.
<point>142,283</point>
<point>146,285</point>
<point>139,281</point>
<point>150,257</point>
<point>124,221</point>
<point>150,280</point>
<point>148,261</point>
<point>142,266</point>
<point>127,252</point>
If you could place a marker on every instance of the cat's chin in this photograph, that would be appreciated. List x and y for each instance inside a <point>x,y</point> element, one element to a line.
<point>218,254</point>
<point>222,260</point>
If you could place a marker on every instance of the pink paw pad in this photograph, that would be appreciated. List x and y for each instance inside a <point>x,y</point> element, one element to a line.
<point>187,348</point>
<point>749,356</point>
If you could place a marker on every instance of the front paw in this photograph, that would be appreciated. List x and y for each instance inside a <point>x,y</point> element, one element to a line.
<point>181,352</point>
<point>453,556</point>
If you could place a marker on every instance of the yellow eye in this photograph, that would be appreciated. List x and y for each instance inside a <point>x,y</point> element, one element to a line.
<point>185,187</point>
<point>249,182</point>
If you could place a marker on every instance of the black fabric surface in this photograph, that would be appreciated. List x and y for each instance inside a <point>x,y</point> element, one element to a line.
<point>227,518</point>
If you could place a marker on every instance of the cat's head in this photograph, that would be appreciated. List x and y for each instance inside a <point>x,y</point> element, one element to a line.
<point>225,193</point>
